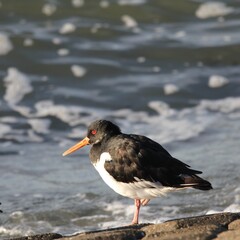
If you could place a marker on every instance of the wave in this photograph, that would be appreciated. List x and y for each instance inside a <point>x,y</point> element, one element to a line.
<point>165,125</point>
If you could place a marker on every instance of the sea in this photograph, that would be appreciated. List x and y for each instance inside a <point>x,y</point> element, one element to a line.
<point>169,70</point>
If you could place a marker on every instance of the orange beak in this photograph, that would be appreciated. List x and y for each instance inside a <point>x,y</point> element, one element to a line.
<point>77,146</point>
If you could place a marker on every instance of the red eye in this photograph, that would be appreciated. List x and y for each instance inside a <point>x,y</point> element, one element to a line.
<point>93,132</point>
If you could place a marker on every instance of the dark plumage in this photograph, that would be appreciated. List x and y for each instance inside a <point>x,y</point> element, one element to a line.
<point>136,166</point>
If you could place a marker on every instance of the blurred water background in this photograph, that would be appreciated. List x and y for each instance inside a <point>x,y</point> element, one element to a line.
<point>165,69</point>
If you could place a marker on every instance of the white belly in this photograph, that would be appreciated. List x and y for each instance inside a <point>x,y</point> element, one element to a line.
<point>140,189</point>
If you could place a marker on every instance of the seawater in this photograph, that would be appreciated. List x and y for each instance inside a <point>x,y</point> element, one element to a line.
<point>162,69</point>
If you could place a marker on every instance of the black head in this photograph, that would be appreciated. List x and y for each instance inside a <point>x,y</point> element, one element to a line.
<point>101,129</point>
<point>97,131</point>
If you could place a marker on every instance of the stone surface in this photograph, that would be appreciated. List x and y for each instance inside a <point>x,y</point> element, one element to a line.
<point>234,225</point>
<point>46,236</point>
<point>233,232</point>
<point>221,226</point>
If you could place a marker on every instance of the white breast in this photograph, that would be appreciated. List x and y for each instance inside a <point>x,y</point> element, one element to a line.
<point>140,189</point>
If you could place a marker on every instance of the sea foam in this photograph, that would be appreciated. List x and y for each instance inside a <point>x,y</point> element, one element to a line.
<point>216,81</point>
<point>166,125</point>
<point>170,89</point>
<point>40,125</point>
<point>77,3</point>
<point>4,129</point>
<point>129,21</point>
<point>67,28</point>
<point>5,44</point>
<point>213,9</point>
<point>131,2</point>
<point>49,9</point>
<point>17,86</point>
<point>78,71</point>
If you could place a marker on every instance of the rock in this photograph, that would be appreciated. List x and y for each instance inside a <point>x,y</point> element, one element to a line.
<point>234,225</point>
<point>233,232</point>
<point>221,226</point>
<point>46,236</point>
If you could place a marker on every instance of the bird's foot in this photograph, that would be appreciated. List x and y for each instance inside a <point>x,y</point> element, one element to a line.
<point>133,223</point>
<point>144,202</point>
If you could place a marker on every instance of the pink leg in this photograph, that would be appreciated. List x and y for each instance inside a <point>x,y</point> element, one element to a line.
<point>136,212</point>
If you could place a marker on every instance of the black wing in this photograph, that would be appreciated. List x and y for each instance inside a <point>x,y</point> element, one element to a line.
<point>138,157</point>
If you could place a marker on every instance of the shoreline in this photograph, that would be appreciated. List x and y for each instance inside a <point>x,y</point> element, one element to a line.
<point>218,226</point>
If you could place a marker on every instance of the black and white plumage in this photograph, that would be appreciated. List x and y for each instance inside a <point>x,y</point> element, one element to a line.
<point>135,166</point>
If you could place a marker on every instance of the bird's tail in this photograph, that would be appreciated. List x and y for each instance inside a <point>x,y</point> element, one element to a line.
<point>196,182</point>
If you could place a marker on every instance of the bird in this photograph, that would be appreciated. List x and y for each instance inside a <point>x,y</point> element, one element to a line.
<point>136,166</point>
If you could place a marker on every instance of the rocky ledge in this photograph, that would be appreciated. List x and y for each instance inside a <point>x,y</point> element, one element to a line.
<point>219,226</point>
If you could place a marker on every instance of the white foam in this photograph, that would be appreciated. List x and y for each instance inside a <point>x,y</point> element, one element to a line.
<point>156,69</point>
<point>213,9</point>
<point>8,119</point>
<point>141,59</point>
<point>38,195</point>
<point>131,2</point>
<point>77,3</point>
<point>171,125</point>
<point>63,52</point>
<point>5,44</point>
<point>234,208</point>
<point>104,4</point>
<point>44,78</point>
<point>170,89</point>
<point>17,86</point>
<point>174,125</point>
<point>24,227</point>
<point>96,27</point>
<point>116,207</point>
<point>49,9</point>
<point>216,81</point>
<point>180,34</point>
<point>227,105</point>
<point>166,125</point>
<point>56,41</point>
<point>129,21</point>
<point>212,212</point>
<point>120,211</point>
<point>78,71</point>
<point>69,114</point>
<point>161,108</point>
<point>4,129</point>
<point>67,28</point>
<point>227,38</point>
<point>23,110</point>
<point>17,214</point>
<point>12,231</point>
<point>33,137</point>
<point>40,125</point>
<point>27,42</point>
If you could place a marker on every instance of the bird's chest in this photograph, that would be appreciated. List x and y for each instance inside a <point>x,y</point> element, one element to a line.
<point>109,179</point>
<point>99,165</point>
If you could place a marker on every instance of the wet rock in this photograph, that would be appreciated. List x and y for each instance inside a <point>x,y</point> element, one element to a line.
<point>233,232</point>
<point>46,236</point>
<point>219,226</point>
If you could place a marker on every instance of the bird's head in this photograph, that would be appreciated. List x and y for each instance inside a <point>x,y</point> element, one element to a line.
<point>97,131</point>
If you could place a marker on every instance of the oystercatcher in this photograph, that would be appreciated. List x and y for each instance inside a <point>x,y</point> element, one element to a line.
<point>135,166</point>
